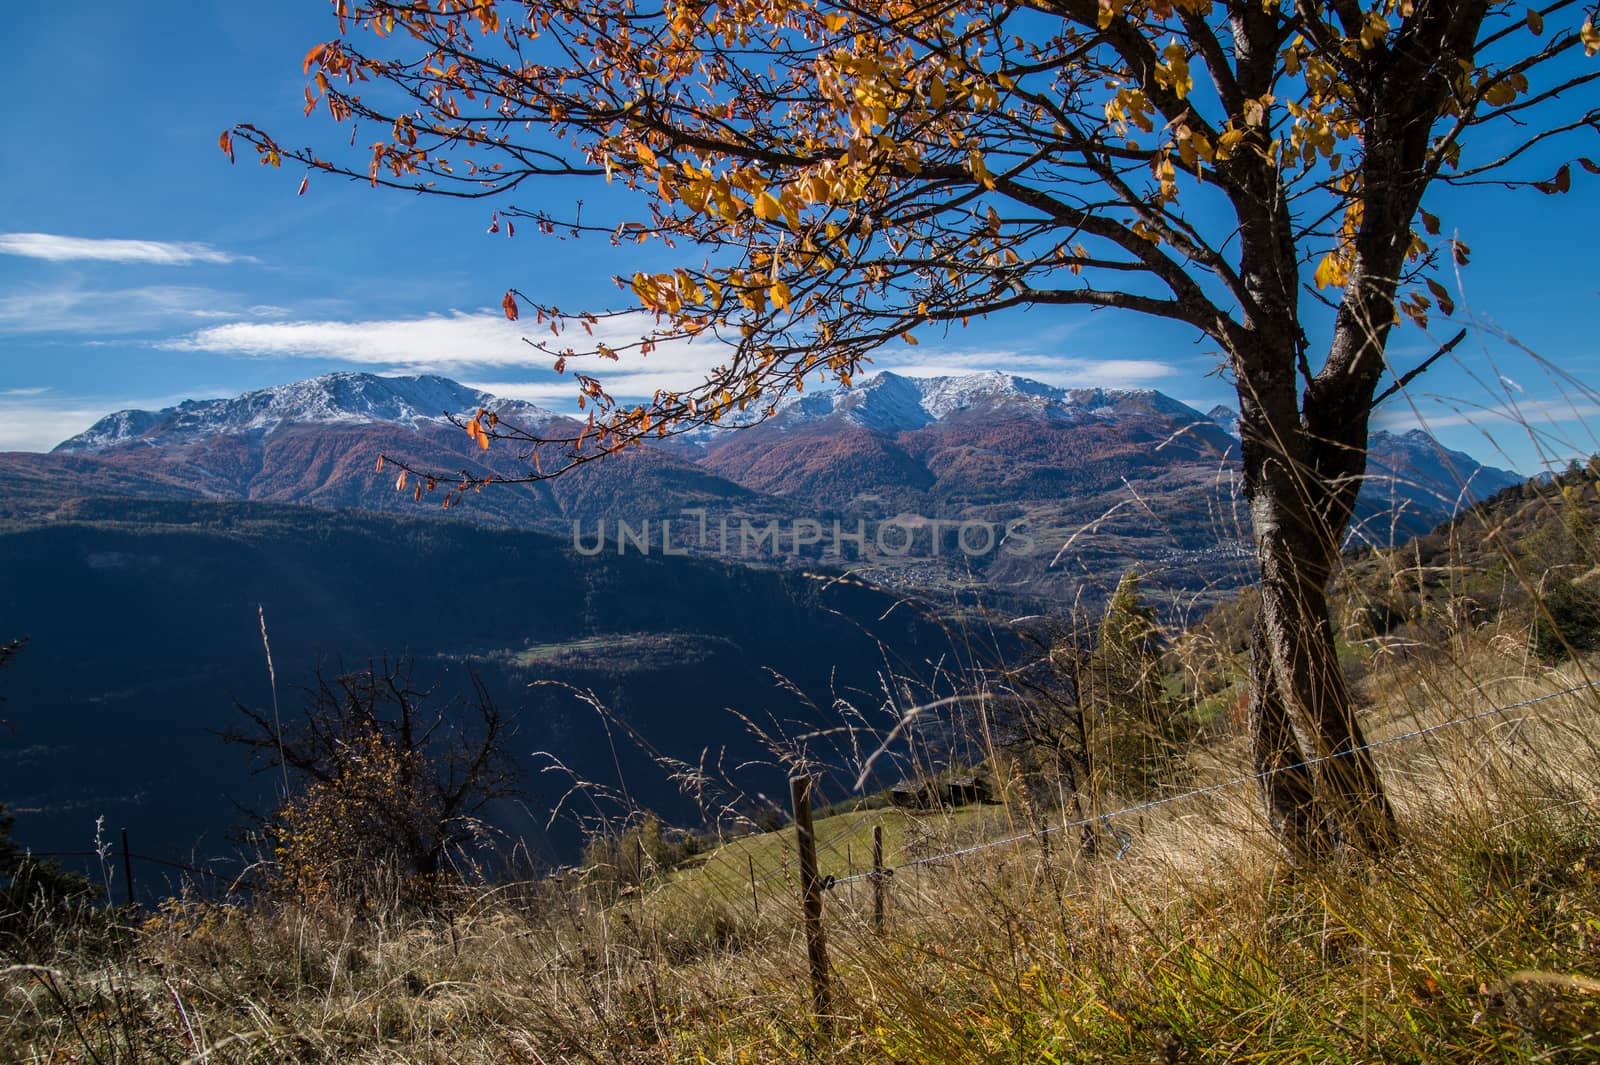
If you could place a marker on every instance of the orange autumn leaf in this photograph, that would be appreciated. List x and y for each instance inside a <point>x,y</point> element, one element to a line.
<point>313,56</point>
<point>509,305</point>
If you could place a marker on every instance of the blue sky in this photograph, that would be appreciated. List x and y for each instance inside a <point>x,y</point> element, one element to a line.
<point>137,268</point>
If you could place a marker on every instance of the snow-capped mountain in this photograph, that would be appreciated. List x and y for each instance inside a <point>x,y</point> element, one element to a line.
<point>890,403</point>
<point>337,399</point>
<point>316,441</point>
<point>937,444</point>
<point>1155,479</point>
<point>1226,418</point>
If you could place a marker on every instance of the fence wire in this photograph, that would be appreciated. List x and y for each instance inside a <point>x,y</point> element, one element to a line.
<point>1126,840</point>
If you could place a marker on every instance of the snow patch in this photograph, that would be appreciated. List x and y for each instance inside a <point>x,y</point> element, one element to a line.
<point>333,399</point>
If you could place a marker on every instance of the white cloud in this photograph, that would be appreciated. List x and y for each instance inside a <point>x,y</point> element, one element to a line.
<point>69,308</point>
<point>460,343</point>
<point>56,248</point>
<point>459,339</point>
<point>1532,415</point>
<point>1059,370</point>
<point>35,427</point>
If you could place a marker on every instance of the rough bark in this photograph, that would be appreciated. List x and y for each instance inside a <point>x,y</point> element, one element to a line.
<point>1301,707</point>
<point>1287,789</point>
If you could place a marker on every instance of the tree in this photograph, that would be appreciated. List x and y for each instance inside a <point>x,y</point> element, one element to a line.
<point>855,172</point>
<point>385,776</point>
<point>1132,729</point>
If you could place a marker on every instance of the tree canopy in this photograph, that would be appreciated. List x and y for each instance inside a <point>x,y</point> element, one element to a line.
<point>839,177</point>
<point>853,173</point>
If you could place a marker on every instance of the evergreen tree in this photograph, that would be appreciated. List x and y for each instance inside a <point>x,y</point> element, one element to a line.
<point>1133,729</point>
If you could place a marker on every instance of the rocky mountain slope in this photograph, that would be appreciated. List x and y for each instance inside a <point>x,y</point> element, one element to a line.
<point>1055,487</point>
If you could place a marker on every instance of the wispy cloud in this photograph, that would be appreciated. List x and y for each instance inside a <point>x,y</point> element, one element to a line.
<point>1059,370</point>
<point>451,342</point>
<point>1530,414</point>
<point>1522,432</point>
<point>41,426</point>
<point>460,343</point>
<point>71,308</point>
<point>57,248</point>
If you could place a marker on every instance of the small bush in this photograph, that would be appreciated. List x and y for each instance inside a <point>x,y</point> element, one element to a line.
<point>1566,619</point>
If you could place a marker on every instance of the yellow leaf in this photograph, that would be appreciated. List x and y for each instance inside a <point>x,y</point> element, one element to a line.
<point>1590,36</point>
<point>767,208</point>
<point>835,23</point>
<point>979,170</point>
<point>779,294</point>
<point>1331,271</point>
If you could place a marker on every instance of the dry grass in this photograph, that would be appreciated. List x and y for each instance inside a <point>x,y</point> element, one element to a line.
<point>1479,941</point>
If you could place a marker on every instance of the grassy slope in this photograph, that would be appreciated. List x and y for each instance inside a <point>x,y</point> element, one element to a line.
<point>1479,941</point>
<point>844,848</point>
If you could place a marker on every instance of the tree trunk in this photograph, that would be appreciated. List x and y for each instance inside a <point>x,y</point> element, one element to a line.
<point>1301,709</point>
<point>1287,788</point>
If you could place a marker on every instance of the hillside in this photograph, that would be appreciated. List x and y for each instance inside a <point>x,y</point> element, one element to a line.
<point>144,628</point>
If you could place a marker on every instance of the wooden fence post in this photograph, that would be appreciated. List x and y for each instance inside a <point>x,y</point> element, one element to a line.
<point>127,867</point>
<point>880,880</point>
<point>811,900</point>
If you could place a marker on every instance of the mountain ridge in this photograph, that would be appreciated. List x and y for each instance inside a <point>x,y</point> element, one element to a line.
<point>344,397</point>
<point>1155,478</point>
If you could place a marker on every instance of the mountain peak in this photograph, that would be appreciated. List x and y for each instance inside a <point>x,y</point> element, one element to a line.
<point>346,397</point>
<point>889,402</point>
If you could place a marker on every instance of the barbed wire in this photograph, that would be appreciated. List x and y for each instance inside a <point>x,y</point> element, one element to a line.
<point>1127,840</point>
<point>117,854</point>
<point>785,869</point>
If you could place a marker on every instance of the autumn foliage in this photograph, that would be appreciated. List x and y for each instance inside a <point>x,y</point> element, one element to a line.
<point>387,786</point>
<point>847,176</point>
